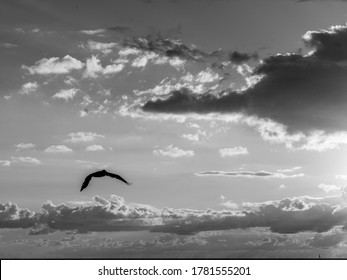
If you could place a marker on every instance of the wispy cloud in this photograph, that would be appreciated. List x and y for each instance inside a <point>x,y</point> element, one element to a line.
<point>8,45</point>
<point>329,188</point>
<point>232,152</point>
<point>104,48</point>
<point>5,163</point>
<point>250,174</point>
<point>29,160</point>
<point>95,148</point>
<point>76,137</point>
<point>289,170</point>
<point>20,160</point>
<point>24,146</point>
<point>93,31</point>
<point>174,152</point>
<point>341,176</point>
<point>58,149</point>
<point>91,164</point>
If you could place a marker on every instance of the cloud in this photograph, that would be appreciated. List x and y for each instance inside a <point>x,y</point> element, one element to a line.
<point>287,216</point>
<point>120,29</point>
<point>191,137</point>
<point>328,44</point>
<point>329,188</point>
<point>76,137</point>
<point>5,163</point>
<point>11,216</point>
<point>341,176</point>
<point>231,152</point>
<point>173,49</point>
<point>94,148</point>
<point>326,240</point>
<point>20,160</point>
<point>92,164</point>
<point>174,152</point>
<point>29,87</point>
<point>228,203</point>
<point>58,149</point>
<point>55,65</point>
<point>113,69</point>
<point>24,146</point>
<point>197,83</point>
<point>239,58</point>
<point>290,170</point>
<point>65,94</point>
<point>93,31</point>
<point>142,60</point>
<point>105,215</point>
<point>8,45</point>
<point>94,68</point>
<point>250,174</point>
<point>104,48</point>
<point>185,101</point>
<point>29,160</point>
<point>312,100</point>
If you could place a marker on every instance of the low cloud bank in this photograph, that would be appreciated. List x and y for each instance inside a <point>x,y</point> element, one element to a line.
<point>287,216</point>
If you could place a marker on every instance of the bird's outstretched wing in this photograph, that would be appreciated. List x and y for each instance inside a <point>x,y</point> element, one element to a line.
<point>112,175</point>
<point>86,182</point>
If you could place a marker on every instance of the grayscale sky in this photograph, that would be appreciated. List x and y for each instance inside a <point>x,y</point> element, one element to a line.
<point>228,117</point>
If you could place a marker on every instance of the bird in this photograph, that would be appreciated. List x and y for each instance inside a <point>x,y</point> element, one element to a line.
<point>101,173</point>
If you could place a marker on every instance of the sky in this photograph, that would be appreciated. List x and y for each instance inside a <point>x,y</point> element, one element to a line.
<point>227,116</point>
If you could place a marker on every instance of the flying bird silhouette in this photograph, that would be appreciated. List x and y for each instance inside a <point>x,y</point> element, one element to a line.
<point>101,173</point>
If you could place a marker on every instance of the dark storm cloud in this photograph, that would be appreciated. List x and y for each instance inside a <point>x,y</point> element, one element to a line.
<point>287,216</point>
<point>120,29</point>
<point>184,101</point>
<point>328,44</point>
<point>302,92</point>
<point>239,58</point>
<point>174,48</point>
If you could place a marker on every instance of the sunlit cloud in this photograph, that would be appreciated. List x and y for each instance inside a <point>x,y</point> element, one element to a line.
<point>174,152</point>
<point>329,188</point>
<point>5,163</point>
<point>94,68</point>
<point>341,176</point>
<point>93,32</point>
<point>58,149</point>
<point>95,148</point>
<point>76,137</point>
<point>65,94</point>
<point>29,87</point>
<point>290,170</point>
<point>104,48</point>
<point>25,146</point>
<point>55,65</point>
<point>232,152</point>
